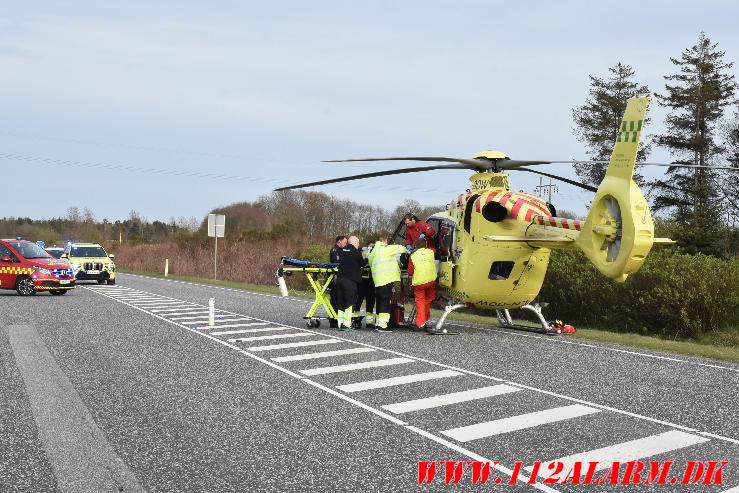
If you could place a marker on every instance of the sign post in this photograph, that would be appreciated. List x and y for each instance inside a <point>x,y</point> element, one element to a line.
<point>216,229</point>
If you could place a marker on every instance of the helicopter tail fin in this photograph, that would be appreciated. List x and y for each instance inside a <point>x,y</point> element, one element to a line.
<point>618,232</point>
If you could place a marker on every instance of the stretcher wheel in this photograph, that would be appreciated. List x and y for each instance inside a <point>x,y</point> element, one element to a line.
<point>313,323</point>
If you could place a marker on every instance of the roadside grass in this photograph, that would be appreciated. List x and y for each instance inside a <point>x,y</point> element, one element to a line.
<point>722,346</point>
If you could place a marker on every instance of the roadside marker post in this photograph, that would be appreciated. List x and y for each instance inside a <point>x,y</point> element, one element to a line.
<point>211,312</point>
<point>166,267</point>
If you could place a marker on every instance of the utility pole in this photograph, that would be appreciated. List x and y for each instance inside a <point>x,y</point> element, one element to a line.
<point>551,188</point>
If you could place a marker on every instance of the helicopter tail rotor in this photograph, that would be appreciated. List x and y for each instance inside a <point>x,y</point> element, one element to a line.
<point>618,232</point>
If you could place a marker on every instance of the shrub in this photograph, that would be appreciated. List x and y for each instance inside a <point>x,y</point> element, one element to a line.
<point>673,294</point>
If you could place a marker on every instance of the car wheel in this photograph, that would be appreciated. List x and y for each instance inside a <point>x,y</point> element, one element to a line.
<point>111,282</point>
<point>24,286</point>
<point>58,292</point>
<point>101,281</point>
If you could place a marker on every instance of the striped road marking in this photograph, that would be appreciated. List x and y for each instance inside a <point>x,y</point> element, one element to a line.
<point>393,381</point>
<point>449,399</point>
<point>325,354</point>
<point>356,366</point>
<point>290,345</point>
<point>222,326</point>
<point>520,422</point>
<point>628,451</point>
<point>276,336</point>
<point>245,331</point>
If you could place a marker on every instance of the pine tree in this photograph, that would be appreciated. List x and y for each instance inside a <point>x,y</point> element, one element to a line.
<point>598,120</point>
<point>731,178</point>
<point>696,96</point>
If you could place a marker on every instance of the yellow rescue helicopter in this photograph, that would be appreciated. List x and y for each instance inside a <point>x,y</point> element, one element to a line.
<point>493,243</point>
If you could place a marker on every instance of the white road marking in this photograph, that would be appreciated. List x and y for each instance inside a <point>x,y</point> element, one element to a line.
<point>735,489</point>
<point>221,326</point>
<point>463,371</point>
<point>393,381</point>
<point>204,318</point>
<point>356,366</point>
<point>184,315</point>
<point>244,331</point>
<point>449,399</point>
<point>520,422</point>
<point>276,336</point>
<point>189,310</point>
<point>476,457</point>
<point>324,354</point>
<point>156,304</point>
<point>290,345</point>
<point>627,451</point>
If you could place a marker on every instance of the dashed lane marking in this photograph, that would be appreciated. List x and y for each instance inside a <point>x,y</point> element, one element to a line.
<point>270,337</point>
<point>324,354</point>
<point>246,331</point>
<point>394,381</point>
<point>290,345</point>
<point>356,366</point>
<point>632,450</point>
<point>449,399</point>
<point>520,422</point>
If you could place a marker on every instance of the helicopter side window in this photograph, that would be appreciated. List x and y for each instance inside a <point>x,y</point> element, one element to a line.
<point>500,270</point>
<point>468,212</point>
<point>551,209</point>
<point>446,240</point>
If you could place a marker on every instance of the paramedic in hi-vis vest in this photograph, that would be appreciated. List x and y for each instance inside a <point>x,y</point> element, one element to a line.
<point>383,262</point>
<point>423,268</point>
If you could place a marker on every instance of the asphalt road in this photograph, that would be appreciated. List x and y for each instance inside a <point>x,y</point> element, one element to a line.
<point>125,388</point>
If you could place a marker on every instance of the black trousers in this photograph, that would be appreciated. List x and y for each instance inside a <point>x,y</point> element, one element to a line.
<point>347,293</point>
<point>332,292</point>
<point>383,297</point>
<point>366,291</point>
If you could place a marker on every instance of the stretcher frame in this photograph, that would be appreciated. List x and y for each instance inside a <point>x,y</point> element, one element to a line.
<point>320,287</point>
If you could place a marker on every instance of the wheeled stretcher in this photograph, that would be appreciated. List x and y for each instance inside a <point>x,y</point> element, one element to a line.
<point>319,277</point>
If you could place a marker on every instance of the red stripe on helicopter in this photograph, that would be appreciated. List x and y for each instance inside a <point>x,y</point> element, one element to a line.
<point>505,198</point>
<point>517,207</point>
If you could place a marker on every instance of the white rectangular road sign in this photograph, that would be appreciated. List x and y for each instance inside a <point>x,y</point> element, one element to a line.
<point>216,225</point>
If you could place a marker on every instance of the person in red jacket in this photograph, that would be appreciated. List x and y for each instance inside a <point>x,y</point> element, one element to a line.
<point>415,229</point>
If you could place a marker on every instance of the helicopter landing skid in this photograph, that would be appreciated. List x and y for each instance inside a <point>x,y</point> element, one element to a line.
<point>438,329</point>
<point>504,317</point>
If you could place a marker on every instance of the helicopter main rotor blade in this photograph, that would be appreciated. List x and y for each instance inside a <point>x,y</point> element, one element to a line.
<point>566,180</point>
<point>477,163</point>
<point>671,165</point>
<point>378,173</point>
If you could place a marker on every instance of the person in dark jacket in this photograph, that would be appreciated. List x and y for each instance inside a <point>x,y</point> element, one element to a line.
<point>333,257</point>
<point>366,292</point>
<point>347,281</point>
<point>415,229</point>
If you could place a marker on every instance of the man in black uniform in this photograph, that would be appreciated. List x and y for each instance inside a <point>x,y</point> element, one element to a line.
<point>366,292</point>
<point>333,257</point>
<point>347,281</point>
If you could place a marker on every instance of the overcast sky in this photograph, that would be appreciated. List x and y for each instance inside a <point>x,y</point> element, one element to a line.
<point>264,91</point>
